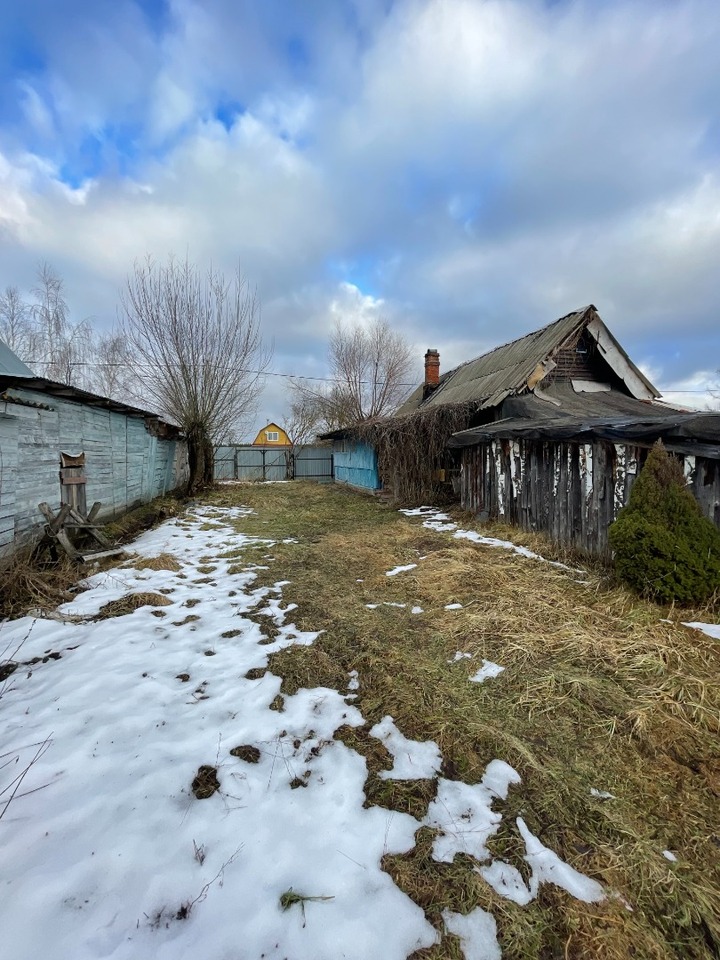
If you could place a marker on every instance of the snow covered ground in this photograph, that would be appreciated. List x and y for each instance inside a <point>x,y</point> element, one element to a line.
<point>174,812</point>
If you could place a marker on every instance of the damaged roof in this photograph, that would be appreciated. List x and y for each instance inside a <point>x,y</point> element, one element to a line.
<point>518,366</point>
<point>563,414</point>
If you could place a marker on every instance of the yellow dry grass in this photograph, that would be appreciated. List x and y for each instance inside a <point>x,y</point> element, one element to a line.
<point>598,692</point>
<point>163,561</point>
<point>129,603</point>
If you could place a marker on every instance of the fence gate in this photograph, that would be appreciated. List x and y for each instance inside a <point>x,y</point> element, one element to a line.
<point>249,462</point>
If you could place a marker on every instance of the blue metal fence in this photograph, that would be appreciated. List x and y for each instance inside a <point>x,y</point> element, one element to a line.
<point>249,462</point>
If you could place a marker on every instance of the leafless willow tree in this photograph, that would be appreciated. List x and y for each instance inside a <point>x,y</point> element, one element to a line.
<point>196,344</point>
<point>371,371</point>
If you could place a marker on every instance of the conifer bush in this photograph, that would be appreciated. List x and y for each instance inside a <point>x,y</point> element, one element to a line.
<point>664,548</point>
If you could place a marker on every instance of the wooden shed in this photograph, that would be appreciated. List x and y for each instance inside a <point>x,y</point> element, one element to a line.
<point>59,444</point>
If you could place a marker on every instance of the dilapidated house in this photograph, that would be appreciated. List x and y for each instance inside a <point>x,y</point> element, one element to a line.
<point>557,425</point>
<point>60,444</point>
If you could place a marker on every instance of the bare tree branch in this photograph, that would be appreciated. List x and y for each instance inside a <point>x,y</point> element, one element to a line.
<point>370,367</point>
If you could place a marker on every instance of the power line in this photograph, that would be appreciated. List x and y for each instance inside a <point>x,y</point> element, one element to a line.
<point>296,376</point>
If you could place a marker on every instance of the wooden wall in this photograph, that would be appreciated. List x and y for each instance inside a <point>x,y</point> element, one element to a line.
<point>571,491</point>
<point>125,463</point>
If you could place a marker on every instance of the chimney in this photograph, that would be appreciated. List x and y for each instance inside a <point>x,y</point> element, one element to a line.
<point>432,368</point>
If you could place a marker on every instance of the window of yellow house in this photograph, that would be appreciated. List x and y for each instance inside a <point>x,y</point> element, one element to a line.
<point>272,436</point>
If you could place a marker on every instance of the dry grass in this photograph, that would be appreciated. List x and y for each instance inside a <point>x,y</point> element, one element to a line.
<point>598,692</point>
<point>129,603</point>
<point>31,582</point>
<point>163,561</point>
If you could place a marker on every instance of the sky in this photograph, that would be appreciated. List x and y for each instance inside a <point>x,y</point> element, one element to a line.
<point>469,170</point>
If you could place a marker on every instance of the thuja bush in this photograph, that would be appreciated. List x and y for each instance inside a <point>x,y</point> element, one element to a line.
<point>664,548</point>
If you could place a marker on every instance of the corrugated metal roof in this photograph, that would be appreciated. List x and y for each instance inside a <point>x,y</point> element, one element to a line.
<point>11,365</point>
<point>492,377</point>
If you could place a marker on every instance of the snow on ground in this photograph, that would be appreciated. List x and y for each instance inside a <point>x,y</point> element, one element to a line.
<point>477,932</point>
<point>546,867</point>
<point>107,852</point>
<point>437,520</point>
<point>460,656</point>
<point>711,629</point>
<point>487,671</point>
<point>401,569</point>
<point>118,843</point>
<point>463,812</point>
<point>413,760</point>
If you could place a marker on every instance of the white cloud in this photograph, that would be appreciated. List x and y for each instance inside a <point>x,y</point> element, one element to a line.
<point>468,170</point>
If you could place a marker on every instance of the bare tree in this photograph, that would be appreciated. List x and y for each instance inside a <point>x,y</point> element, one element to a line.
<point>303,421</point>
<point>61,350</point>
<point>112,369</point>
<point>370,366</point>
<point>196,345</point>
<point>16,327</point>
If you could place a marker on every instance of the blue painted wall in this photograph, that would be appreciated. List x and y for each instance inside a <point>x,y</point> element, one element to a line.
<point>125,464</point>
<point>356,464</point>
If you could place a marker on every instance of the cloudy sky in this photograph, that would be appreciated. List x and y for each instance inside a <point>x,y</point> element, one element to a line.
<point>468,169</point>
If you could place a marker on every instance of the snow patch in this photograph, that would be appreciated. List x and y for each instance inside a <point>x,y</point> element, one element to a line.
<point>463,814</point>
<point>396,570</point>
<point>413,759</point>
<point>477,932</point>
<point>487,671</point>
<point>711,629</point>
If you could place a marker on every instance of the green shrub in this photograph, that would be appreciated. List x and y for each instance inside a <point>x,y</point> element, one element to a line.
<point>664,548</point>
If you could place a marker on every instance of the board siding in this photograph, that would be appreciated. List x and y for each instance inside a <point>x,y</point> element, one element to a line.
<point>125,463</point>
<point>570,491</point>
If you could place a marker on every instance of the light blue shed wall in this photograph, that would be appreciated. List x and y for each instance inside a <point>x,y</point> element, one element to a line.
<point>124,463</point>
<point>356,463</point>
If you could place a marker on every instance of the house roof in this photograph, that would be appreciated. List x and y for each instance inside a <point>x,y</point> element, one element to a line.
<point>11,365</point>
<point>15,374</point>
<point>514,367</point>
<point>563,414</point>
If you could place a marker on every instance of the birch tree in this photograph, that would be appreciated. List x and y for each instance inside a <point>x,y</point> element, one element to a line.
<point>196,345</point>
<point>371,368</point>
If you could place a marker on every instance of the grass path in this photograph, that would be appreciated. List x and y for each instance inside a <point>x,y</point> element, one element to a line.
<point>600,695</point>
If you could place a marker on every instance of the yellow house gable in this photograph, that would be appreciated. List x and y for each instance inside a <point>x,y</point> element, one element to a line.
<point>271,435</point>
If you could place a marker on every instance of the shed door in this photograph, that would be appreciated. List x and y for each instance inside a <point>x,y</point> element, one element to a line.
<point>72,481</point>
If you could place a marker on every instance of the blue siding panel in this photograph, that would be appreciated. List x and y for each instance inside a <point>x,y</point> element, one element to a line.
<point>356,464</point>
<point>125,464</point>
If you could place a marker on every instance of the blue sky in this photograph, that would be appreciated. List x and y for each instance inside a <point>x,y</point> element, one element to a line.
<point>469,169</point>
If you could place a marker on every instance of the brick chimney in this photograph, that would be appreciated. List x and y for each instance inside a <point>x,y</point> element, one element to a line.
<point>432,368</point>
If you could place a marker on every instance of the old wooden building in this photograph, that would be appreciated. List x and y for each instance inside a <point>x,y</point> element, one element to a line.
<point>558,423</point>
<point>60,444</point>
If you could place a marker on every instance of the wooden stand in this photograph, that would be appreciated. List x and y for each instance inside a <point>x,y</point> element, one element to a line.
<point>70,522</point>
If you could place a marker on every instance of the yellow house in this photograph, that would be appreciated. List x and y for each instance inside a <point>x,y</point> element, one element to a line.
<point>271,435</point>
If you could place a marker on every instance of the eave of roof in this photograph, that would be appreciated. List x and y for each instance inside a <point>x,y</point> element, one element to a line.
<point>63,391</point>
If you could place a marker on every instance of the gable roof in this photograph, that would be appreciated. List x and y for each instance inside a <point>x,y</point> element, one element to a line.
<point>514,367</point>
